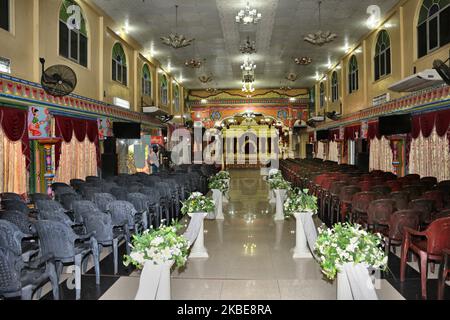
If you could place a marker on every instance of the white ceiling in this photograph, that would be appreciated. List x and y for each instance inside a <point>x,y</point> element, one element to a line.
<point>279,36</point>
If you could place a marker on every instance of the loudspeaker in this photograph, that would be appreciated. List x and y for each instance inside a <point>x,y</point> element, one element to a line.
<point>109,165</point>
<point>309,151</point>
<point>109,145</point>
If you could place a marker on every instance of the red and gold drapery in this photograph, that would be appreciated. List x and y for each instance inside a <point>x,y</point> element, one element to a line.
<point>14,126</point>
<point>66,127</point>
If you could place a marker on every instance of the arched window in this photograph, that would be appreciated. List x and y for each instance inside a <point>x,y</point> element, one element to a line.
<point>163,92</point>
<point>119,64</point>
<point>322,95</point>
<point>353,77</point>
<point>433,29</point>
<point>382,59</point>
<point>334,87</point>
<point>146,81</point>
<point>176,99</point>
<point>73,36</point>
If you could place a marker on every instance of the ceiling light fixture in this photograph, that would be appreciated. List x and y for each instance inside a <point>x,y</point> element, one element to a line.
<point>320,37</point>
<point>248,15</point>
<point>249,47</point>
<point>248,65</point>
<point>375,16</point>
<point>176,40</point>
<point>303,61</point>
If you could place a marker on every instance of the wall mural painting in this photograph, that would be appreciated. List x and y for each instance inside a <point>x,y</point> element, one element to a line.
<point>39,122</point>
<point>364,129</point>
<point>282,114</point>
<point>216,116</point>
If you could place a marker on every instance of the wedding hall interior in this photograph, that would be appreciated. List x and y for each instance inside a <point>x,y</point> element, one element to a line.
<point>224,150</point>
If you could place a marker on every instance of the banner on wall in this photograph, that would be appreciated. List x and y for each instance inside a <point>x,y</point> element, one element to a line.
<point>341,133</point>
<point>364,129</point>
<point>39,122</point>
<point>105,128</point>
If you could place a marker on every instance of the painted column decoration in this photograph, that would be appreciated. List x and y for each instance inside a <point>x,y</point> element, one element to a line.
<point>49,175</point>
<point>398,161</point>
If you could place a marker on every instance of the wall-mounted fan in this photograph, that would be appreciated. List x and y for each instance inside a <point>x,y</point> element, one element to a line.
<point>443,70</point>
<point>165,118</point>
<point>58,80</point>
<point>311,123</point>
<point>333,115</point>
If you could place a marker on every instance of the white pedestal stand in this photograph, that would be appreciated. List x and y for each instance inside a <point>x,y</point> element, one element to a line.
<point>198,250</point>
<point>301,249</point>
<point>344,292</point>
<point>218,200</point>
<point>154,283</point>
<point>280,197</point>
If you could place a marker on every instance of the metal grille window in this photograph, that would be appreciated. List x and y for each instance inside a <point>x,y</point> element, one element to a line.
<point>433,29</point>
<point>382,59</point>
<point>353,76</point>
<point>5,15</point>
<point>163,90</point>
<point>73,42</point>
<point>334,87</point>
<point>322,95</point>
<point>119,64</point>
<point>146,81</point>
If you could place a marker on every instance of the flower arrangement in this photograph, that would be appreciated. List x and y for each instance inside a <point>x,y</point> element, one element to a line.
<point>222,175</point>
<point>197,202</point>
<point>279,184</point>
<point>300,201</point>
<point>219,184</point>
<point>348,243</point>
<point>274,175</point>
<point>160,246</point>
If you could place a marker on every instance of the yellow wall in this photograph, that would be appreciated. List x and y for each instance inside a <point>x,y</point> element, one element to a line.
<point>35,33</point>
<point>400,23</point>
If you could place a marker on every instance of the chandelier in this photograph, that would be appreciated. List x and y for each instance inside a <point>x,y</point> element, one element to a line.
<point>205,78</point>
<point>176,40</point>
<point>193,63</point>
<point>248,65</point>
<point>248,87</point>
<point>320,37</point>
<point>248,15</point>
<point>303,61</point>
<point>248,47</point>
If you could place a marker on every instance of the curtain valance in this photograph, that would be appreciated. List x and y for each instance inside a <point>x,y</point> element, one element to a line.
<point>426,122</point>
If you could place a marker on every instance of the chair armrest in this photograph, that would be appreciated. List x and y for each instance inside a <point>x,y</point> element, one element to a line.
<point>39,262</point>
<point>86,236</point>
<point>413,232</point>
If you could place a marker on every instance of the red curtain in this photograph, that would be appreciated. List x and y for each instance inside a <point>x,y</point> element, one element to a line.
<point>334,134</point>
<point>67,126</point>
<point>373,131</point>
<point>311,137</point>
<point>350,132</point>
<point>14,124</point>
<point>427,121</point>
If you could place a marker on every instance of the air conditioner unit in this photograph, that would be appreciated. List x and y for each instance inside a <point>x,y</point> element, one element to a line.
<point>418,81</point>
<point>150,109</point>
<point>318,118</point>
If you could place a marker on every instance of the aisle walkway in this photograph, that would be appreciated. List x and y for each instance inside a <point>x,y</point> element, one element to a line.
<point>250,256</point>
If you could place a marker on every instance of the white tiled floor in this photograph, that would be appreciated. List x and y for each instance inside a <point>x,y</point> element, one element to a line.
<point>250,256</point>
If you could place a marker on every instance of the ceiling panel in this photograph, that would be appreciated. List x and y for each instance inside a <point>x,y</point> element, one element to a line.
<point>279,35</point>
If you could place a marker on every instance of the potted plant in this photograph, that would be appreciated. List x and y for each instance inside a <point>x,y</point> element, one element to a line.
<point>155,252</point>
<point>280,188</point>
<point>198,204</point>
<point>348,243</point>
<point>218,187</point>
<point>301,205</point>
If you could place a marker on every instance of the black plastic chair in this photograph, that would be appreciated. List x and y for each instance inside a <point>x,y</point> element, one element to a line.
<point>16,205</point>
<point>145,205</point>
<point>20,279</point>
<point>10,196</point>
<point>124,211</point>
<point>102,200</point>
<point>12,238</point>
<point>39,196</point>
<point>21,220</point>
<point>68,199</point>
<point>66,247</point>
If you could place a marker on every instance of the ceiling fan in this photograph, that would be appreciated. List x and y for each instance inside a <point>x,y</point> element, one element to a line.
<point>443,70</point>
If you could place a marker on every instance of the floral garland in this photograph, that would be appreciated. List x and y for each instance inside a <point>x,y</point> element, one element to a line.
<point>300,201</point>
<point>348,243</point>
<point>160,246</point>
<point>197,202</point>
